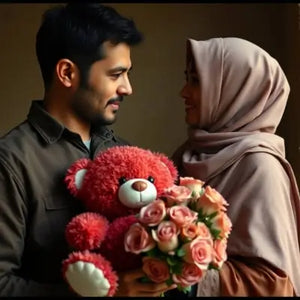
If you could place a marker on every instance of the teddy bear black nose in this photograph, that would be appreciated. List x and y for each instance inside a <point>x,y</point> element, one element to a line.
<point>139,186</point>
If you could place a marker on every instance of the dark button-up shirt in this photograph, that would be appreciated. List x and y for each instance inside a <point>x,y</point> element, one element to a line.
<point>35,205</point>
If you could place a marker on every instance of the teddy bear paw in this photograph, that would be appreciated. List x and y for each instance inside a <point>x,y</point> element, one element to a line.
<point>87,280</point>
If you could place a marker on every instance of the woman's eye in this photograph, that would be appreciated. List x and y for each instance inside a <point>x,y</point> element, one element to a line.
<point>122,180</point>
<point>151,179</point>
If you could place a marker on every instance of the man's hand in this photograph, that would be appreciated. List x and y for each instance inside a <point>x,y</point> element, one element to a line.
<point>130,286</point>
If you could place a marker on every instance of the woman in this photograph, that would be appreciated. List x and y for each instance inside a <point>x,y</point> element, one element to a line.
<point>235,96</point>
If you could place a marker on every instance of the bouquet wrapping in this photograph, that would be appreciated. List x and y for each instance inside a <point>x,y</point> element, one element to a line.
<point>182,234</point>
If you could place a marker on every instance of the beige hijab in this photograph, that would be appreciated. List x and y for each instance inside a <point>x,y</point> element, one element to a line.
<point>243,96</point>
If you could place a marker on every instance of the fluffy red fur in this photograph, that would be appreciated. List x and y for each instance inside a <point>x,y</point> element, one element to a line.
<point>86,231</point>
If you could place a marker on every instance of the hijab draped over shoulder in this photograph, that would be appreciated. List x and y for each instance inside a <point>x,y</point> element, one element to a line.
<point>243,94</point>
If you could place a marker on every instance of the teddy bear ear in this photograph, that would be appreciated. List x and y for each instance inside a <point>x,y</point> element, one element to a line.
<point>169,164</point>
<point>75,175</point>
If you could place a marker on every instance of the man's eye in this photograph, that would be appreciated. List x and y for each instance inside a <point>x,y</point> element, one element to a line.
<point>116,76</point>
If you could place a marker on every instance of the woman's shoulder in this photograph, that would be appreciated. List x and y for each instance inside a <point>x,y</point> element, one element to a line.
<point>263,165</point>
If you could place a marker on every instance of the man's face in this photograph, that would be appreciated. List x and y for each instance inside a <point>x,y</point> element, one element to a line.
<point>191,95</point>
<point>100,98</point>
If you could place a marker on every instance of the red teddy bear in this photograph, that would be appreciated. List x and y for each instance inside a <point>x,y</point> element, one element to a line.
<point>113,187</point>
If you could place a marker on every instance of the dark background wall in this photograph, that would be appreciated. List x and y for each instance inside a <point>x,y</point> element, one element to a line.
<point>153,117</point>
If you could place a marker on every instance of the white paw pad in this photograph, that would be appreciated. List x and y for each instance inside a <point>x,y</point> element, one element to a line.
<point>86,280</point>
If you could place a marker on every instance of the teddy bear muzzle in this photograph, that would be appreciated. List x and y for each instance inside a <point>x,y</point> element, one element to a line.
<point>137,192</point>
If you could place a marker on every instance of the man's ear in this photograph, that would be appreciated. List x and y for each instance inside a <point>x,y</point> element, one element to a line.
<point>66,72</point>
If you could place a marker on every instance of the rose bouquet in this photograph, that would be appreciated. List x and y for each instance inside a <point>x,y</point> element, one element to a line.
<point>181,235</point>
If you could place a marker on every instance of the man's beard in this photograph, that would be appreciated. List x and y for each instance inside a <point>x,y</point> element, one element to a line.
<point>86,113</point>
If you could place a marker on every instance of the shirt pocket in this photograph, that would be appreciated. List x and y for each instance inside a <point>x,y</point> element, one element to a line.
<point>55,213</point>
<point>57,202</point>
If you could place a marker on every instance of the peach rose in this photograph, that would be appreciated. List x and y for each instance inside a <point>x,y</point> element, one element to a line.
<point>189,275</point>
<point>138,240</point>
<point>219,253</point>
<point>153,213</point>
<point>177,195</point>
<point>156,270</point>
<point>203,231</point>
<point>199,252</point>
<point>193,230</point>
<point>195,185</point>
<point>211,201</point>
<point>166,236</point>
<point>223,223</point>
<point>189,232</point>
<point>182,215</point>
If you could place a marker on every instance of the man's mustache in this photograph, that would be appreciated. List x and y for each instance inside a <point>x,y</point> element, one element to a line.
<point>117,99</point>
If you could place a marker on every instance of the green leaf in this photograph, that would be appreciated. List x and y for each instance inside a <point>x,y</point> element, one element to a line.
<point>169,281</point>
<point>187,289</point>
<point>172,261</point>
<point>155,252</point>
<point>177,268</point>
<point>212,267</point>
<point>184,289</point>
<point>180,252</point>
<point>144,279</point>
<point>212,215</point>
<point>215,232</point>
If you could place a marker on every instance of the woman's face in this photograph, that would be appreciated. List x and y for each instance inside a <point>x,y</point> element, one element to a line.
<point>191,95</point>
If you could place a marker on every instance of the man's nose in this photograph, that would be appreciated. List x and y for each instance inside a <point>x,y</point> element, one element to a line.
<point>125,88</point>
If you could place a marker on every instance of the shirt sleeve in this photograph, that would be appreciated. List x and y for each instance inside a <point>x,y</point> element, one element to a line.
<point>14,215</point>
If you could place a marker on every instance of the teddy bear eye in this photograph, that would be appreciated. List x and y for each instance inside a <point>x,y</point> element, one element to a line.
<point>122,180</point>
<point>151,179</point>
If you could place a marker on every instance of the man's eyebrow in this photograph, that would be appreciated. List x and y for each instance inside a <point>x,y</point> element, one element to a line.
<point>120,69</point>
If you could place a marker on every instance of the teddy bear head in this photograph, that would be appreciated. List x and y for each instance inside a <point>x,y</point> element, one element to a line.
<point>120,180</point>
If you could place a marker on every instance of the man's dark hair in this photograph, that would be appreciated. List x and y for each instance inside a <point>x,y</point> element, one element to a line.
<point>77,31</point>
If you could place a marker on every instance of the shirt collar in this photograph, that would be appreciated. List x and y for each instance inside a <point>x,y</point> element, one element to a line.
<point>50,129</point>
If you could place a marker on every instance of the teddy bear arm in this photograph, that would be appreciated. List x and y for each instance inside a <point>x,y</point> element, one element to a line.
<point>86,231</point>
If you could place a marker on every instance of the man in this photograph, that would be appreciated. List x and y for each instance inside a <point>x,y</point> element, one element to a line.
<point>84,55</point>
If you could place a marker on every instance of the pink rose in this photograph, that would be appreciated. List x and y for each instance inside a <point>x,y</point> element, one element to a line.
<point>153,213</point>
<point>182,215</point>
<point>211,201</point>
<point>166,236</point>
<point>219,253</point>
<point>177,195</point>
<point>138,240</point>
<point>189,275</point>
<point>223,223</point>
<point>199,252</point>
<point>195,186</point>
<point>156,270</point>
